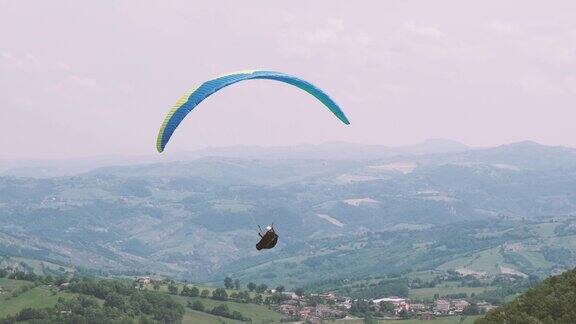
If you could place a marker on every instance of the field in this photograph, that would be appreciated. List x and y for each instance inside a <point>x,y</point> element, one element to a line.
<point>258,313</point>
<point>445,289</point>
<point>38,297</point>
<point>194,317</point>
<point>43,296</point>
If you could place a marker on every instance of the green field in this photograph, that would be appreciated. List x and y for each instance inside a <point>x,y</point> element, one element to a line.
<point>545,230</point>
<point>194,317</point>
<point>484,261</point>
<point>445,289</point>
<point>38,297</point>
<point>9,285</point>
<point>258,313</point>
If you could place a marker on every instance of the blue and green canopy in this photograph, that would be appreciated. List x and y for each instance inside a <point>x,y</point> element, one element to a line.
<point>191,99</point>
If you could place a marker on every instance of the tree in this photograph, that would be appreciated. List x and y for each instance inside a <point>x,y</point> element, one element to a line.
<point>30,313</point>
<point>261,288</point>
<point>251,286</point>
<point>220,294</point>
<point>197,305</point>
<point>368,319</point>
<point>237,284</point>
<point>299,292</point>
<point>280,289</point>
<point>205,293</point>
<point>404,314</point>
<point>185,291</point>
<point>471,309</point>
<point>278,298</point>
<point>228,283</point>
<point>173,289</point>
<point>189,291</point>
<point>221,310</point>
<point>115,300</point>
<point>258,299</point>
<point>237,315</point>
<point>194,292</point>
<point>156,286</point>
<point>244,296</point>
<point>386,307</point>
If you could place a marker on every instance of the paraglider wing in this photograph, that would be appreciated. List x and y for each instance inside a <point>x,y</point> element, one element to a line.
<point>191,99</point>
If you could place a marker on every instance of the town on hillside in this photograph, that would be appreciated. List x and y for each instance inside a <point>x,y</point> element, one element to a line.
<point>315,307</point>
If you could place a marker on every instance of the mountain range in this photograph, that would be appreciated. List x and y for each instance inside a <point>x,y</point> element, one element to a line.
<point>341,210</point>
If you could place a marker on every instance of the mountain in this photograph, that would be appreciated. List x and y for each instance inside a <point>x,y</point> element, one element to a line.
<point>552,301</point>
<point>335,151</point>
<point>508,209</point>
<point>433,146</point>
<point>325,151</point>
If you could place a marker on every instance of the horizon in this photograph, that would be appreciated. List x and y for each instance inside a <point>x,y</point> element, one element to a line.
<point>168,156</point>
<point>99,81</point>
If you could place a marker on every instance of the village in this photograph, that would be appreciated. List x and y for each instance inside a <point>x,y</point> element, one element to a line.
<point>331,306</point>
<point>316,307</point>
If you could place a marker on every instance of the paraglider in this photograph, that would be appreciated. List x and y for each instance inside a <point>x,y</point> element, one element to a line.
<point>268,239</point>
<point>191,99</point>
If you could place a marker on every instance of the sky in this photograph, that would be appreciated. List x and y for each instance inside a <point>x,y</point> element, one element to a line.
<point>87,78</point>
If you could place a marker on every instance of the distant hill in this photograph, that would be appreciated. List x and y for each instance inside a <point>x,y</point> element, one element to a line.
<point>552,301</point>
<point>432,146</point>
<point>508,209</point>
<point>335,150</point>
<point>325,151</point>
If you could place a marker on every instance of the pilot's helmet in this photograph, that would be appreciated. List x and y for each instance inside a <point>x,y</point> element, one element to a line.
<point>268,228</point>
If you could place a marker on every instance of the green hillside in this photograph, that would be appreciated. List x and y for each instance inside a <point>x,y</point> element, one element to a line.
<point>47,300</point>
<point>16,295</point>
<point>552,301</point>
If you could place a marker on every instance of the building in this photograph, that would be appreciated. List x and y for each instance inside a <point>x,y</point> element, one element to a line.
<point>459,305</point>
<point>346,304</point>
<point>485,307</point>
<point>143,280</point>
<point>292,295</point>
<point>442,306</point>
<point>329,297</point>
<point>419,307</point>
<point>287,309</point>
<point>393,300</point>
<point>398,303</point>
<point>324,311</point>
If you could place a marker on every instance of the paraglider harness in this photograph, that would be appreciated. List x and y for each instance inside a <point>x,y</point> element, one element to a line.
<point>268,240</point>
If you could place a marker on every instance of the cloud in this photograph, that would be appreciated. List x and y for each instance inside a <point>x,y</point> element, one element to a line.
<point>74,86</point>
<point>501,27</point>
<point>559,49</point>
<point>544,85</point>
<point>424,31</point>
<point>10,61</point>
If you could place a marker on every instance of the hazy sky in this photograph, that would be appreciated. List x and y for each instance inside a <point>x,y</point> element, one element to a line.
<point>81,78</point>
